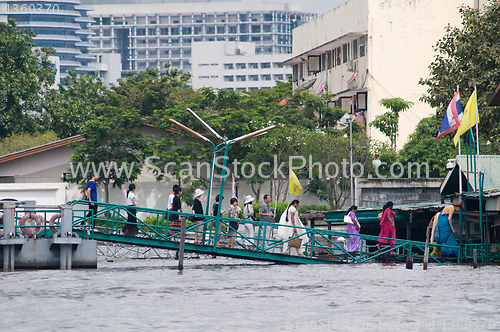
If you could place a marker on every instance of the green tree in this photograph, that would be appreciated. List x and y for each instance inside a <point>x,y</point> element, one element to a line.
<point>333,185</point>
<point>69,107</point>
<point>468,56</point>
<point>388,123</point>
<point>422,146</point>
<point>23,141</point>
<point>25,75</point>
<point>148,91</point>
<point>113,147</point>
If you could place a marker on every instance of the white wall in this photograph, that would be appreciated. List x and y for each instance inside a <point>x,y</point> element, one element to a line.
<point>401,35</point>
<point>208,59</point>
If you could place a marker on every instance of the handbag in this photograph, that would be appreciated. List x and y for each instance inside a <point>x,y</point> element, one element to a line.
<point>348,220</point>
<point>294,243</point>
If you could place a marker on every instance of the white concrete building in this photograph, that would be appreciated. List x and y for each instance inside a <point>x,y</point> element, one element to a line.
<point>368,50</point>
<point>235,66</point>
<point>152,32</point>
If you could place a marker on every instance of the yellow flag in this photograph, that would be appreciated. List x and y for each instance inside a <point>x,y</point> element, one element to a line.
<point>470,118</point>
<point>294,187</point>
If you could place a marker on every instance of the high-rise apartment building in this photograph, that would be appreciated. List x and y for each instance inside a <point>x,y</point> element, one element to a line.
<point>150,33</point>
<point>62,25</point>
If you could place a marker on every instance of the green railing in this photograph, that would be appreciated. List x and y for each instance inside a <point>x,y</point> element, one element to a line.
<point>322,244</point>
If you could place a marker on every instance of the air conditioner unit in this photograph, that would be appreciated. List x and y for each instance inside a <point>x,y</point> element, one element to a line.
<point>352,65</point>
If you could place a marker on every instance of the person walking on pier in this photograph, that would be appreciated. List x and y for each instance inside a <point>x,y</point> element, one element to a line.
<point>131,226</point>
<point>249,214</point>
<point>171,197</point>
<point>198,209</point>
<point>444,232</point>
<point>91,192</point>
<point>266,216</point>
<point>175,219</point>
<point>387,226</point>
<point>353,226</point>
<point>233,225</point>
<point>291,218</point>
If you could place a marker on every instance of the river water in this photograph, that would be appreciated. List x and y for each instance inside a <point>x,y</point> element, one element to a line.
<point>235,295</point>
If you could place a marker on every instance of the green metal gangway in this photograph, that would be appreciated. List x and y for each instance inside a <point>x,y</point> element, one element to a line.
<point>156,231</point>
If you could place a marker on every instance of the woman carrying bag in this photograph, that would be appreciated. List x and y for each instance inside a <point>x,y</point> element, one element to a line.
<point>291,218</point>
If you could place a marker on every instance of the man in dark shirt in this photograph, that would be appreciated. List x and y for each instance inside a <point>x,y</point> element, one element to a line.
<point>266,216</point>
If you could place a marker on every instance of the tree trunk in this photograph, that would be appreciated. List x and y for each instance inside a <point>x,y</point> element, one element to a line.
<point>106,191</point>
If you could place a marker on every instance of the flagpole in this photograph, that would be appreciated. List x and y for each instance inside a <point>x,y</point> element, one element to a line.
<point>478,170</point>
<point>459,166</point>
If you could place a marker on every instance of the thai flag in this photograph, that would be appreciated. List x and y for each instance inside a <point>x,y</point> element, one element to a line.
<point>452,117</point>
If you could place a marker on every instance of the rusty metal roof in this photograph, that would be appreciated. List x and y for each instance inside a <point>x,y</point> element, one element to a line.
<point>40,148</point>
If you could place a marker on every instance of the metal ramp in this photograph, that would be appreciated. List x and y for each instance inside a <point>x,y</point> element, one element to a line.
<point>155,231</point>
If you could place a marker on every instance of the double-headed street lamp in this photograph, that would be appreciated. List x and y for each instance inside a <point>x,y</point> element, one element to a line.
<point>224,144</point>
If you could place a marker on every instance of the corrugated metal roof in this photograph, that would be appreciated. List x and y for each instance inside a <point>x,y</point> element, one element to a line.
<point>489,165</point>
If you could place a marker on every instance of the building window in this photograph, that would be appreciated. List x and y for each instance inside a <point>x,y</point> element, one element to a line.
<point>265,77</point>
<point>253,88</point>
<point>241,66</point>
<point>253,65</point>
<point>264,65</point>
<point>203,64</point>
<point>278,77</point>
<point>228,66</point>
<point>203,76</point>
<point>228,78</point>
<point>214,76</point>
<point>214,64</point>
<point>338,56</point>
<point>277,65</point>
<point>362,50</point>
<point>355,49</point>
<point>253,77</point>
<point>344,53</point>
<point>241,78</point>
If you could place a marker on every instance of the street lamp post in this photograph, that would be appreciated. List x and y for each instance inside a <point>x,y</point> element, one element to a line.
<point>225,145</point>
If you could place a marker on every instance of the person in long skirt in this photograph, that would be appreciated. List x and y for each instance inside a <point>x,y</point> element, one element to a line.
<point>353,226</point>
<point>249,214</point>
<point>291,218</point>
<point>444,232</point>
<point>387,226</point>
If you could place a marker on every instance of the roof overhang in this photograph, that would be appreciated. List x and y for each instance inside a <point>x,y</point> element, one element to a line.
<point>495,97</point>
<point>349,37</point>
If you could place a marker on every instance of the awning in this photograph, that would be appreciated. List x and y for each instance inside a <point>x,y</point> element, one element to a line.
<point>349,37</point>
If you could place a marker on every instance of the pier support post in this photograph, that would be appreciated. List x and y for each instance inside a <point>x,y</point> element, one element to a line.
<point>409,262</point>
<point>474,258</point>
<point>180,266</point>
<point>66,252</point>
<point>426,251</point>
<point>9,230</point>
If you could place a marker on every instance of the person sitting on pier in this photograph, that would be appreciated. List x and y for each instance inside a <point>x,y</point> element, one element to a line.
<point>444,232</point>
<point>353,226</point>
<point>387,226</point>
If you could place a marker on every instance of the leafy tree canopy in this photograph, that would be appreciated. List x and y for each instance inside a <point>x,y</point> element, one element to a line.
<point>469,56</point>
<point>25,73</point>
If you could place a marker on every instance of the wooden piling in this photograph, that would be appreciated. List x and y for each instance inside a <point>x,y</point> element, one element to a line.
<point>474,258</point>
<point>409,262</point>
<point>180,265</point>
<point>426,251</point>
